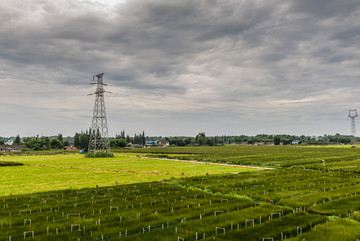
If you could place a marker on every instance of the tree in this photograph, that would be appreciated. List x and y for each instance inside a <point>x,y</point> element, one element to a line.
<point>81,140</point>
<point>118,142</point>
<point>35,144</point>
<point>60,138</point>
<point>59,144</point>
<point>285,141</point>
<point>2,142</point>
<point>187,141</point>
<point>251,141</point>
<point>143,139</point>
<point>200,138</point>
<point>46,143</point>
<point>56,144</point>
<point>17,140</point>
<point>277,140</point>
<point>177,142</point>
<point>77,140</point>
<point>210,141</point>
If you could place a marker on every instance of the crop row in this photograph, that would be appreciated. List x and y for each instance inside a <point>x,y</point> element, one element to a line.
<point>130,212</point>
<point>280,229</point>
<point>343,165</point>
<point>210,226</point>
<point>303,188</point>
<point>274,156</point>
<point>101,210</point>
<point>340,229</point>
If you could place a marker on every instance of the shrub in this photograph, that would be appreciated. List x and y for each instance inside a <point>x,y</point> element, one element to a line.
<point>99,154</point>
<point>5,163</point>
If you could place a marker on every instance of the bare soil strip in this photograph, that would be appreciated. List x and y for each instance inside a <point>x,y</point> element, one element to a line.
<point>207,163</point>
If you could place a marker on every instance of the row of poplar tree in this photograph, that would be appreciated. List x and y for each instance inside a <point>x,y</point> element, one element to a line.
<point>81,140</point>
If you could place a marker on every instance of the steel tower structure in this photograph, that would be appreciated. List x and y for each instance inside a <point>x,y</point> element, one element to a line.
<point>99,141</point>
<point>353,114</point>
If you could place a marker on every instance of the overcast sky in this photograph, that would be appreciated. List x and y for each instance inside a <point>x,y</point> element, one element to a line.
<point>180,67</point>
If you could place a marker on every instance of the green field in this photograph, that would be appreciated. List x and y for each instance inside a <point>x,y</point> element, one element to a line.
<point>57,172</point>
<point>69,197</point>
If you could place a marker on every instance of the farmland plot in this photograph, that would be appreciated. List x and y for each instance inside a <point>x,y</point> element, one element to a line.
<point>125,211</point>
<point>265,156</point>
<point>167,200</point>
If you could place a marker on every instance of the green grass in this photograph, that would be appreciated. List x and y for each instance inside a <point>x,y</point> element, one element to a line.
<point>56,172</point>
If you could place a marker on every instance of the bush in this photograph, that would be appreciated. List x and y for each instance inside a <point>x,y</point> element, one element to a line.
<point>99,154</point>
<point>5,163</point>
<point>118,143</point>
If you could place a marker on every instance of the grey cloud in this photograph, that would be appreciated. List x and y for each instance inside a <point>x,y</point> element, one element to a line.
<point>326,8</point>
<point>229,57</point>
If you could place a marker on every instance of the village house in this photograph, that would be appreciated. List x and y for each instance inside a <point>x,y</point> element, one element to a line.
<point>130,145</point>
<point>157,143</point>
<point>73,148</point>
<point>11,148</point>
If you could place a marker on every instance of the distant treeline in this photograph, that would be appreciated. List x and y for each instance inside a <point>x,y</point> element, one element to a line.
<point>81,140</point>
<point>202,139</point>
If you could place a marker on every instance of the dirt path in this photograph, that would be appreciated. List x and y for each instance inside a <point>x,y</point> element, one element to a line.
<point>206,163</point>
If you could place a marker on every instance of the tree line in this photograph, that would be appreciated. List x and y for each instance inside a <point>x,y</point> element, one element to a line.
<point>81,140</point>
<point>202,140</point>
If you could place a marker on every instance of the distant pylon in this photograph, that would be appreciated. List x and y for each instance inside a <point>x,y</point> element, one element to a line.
<point>353,114</point>
<point>99,136</point>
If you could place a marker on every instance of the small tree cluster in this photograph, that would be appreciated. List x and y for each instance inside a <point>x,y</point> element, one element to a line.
<point>137,139</point>
<point>118,143</point>
<point>42,143</point>
<point>81,140</point>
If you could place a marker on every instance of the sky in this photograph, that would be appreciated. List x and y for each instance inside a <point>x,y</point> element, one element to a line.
<point>177,68</point>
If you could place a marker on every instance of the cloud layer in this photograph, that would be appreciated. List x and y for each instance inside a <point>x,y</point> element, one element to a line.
<point>180,67</point>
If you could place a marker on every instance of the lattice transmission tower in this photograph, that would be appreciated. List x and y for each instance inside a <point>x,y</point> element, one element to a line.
<point>353,114</point>
<point>99,136</point>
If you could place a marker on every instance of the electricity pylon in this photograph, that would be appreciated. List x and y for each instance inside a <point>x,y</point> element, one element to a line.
<point>99,136</point>
<point>353,114</point>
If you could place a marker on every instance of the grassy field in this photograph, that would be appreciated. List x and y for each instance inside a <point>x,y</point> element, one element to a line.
<point>56,172</point>
<point>154,199</point>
